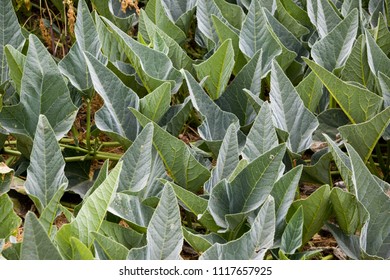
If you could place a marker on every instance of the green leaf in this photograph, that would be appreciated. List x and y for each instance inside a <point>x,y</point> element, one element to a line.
<point>253,244</point>
<point>255,35</point>
<point>164,235</point>
<point>178,56</point>
<point>137,162</point>
<point>364,136</point>
<point>358,104</point>
<point>295,27</point>
<point>350,244</point>
<point>342,162</point>
<point>225,32</point>
<point>262,137</point>
<point>131,209</point>
<point>73,65</point>
<point>122,235</point>
<point>310,91</point>
<point>215,121</point>
<point>16,61</point>
<point>156,104</point>
<point>79,250</point>
<point>109,249</point>
<point>384,84</point>
<point>319,172</point>
<point>227,159</point>
<point>356,67</point>
<point>323,16</point>
<point>43,92</point>
<point>377,59</point>
<point>200,242</point>
<point>332,51</point>
<point>231,12</point>
<point>218,69</point>
<point>9,220</point>
<point>36,243</point>
<point>181,165</point>
<point>234,100</point>
<point>204,12</point>
<point>114,116</point>
<point>316,210</point>
<point>10,34</point>
<point>45,174</point>
<point>249,189</point>
<point>177,116</point>
<point>350,213</point>
<point>49,213</point>
<point>145,61</point>
<point>6,176</point>
<point>382,35</point>
<point>284,192</point>
<point>156,12</point>
<point>376,202</point>
<point>292,235</point>
<point>91,215</point>
<point>289,112</point>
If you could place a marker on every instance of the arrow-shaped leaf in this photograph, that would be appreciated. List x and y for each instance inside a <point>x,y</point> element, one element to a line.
<point>45,175</point>
<point>36,243</point>
<point>358,104</point>
<point>218,69</point>
<point>289,112</point>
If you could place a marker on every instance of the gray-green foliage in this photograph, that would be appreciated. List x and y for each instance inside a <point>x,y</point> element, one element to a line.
<point>213,107</point>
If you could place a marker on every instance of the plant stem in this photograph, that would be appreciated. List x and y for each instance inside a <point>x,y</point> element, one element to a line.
<point>328,257</point>
<point>88,133</point>
<point>11,152</point>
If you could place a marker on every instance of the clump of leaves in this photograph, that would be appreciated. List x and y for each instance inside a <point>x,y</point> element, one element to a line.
<point>286,95</point>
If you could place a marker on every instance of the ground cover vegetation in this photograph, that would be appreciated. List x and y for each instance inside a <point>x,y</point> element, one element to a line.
<point>169,129</point>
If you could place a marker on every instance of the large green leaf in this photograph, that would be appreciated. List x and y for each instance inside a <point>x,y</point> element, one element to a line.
<point>16,61</point>
<point>10,34</point>
<point>123,235</point>
<point>109,249</point>
<point>332,51</point>
<point>342,162</point>
<point>45,174</point>
<point>384,84</point>
<point>181,165</point>
<point>215,121</point>
<point>164,236</point>
<point>284,192</point>
<point>43,92</point>
<point>114,116</point>
<point>227,159</point>
<point>6,176</point>
<point>262,137</point>
<point>153,67</point>
<point>377,59</point>
<point>253,244</point>
<point>49,213</point>
<point>376,202</point>
<point>201,242</point>
<point>90,216</point>
<point>358,104</point>
<point>382,35</point>
<point>255,35</point>
<point>74,66</point>
<point>156,12</point>
<point>316,210</point>
<point>364,136</point>
<point>248,190</point>
<point>79,250</point>
<point>323,16</point>
<point>178,56</point>
<point>350,213</point>
<point>218,69</point>
<point>225,32</point>
<point>356,67</point>
<point>234,100</point>
<point>283,15</point>
<point>292,235</point>
<point>156,104</point>
<point>131,209</point>
<point>9,220</point>
<point>36,243</point>
<point>289,111</point>
<point>310,91</point>
<point>137,162</point>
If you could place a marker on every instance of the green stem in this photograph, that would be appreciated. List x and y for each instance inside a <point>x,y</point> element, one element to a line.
<point>88,133</point>
<point>11,152</point>
<point>328,257</point>
<point>76,148</point>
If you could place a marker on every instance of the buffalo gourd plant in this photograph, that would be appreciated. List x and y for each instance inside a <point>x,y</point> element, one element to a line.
<point>223,111</point>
